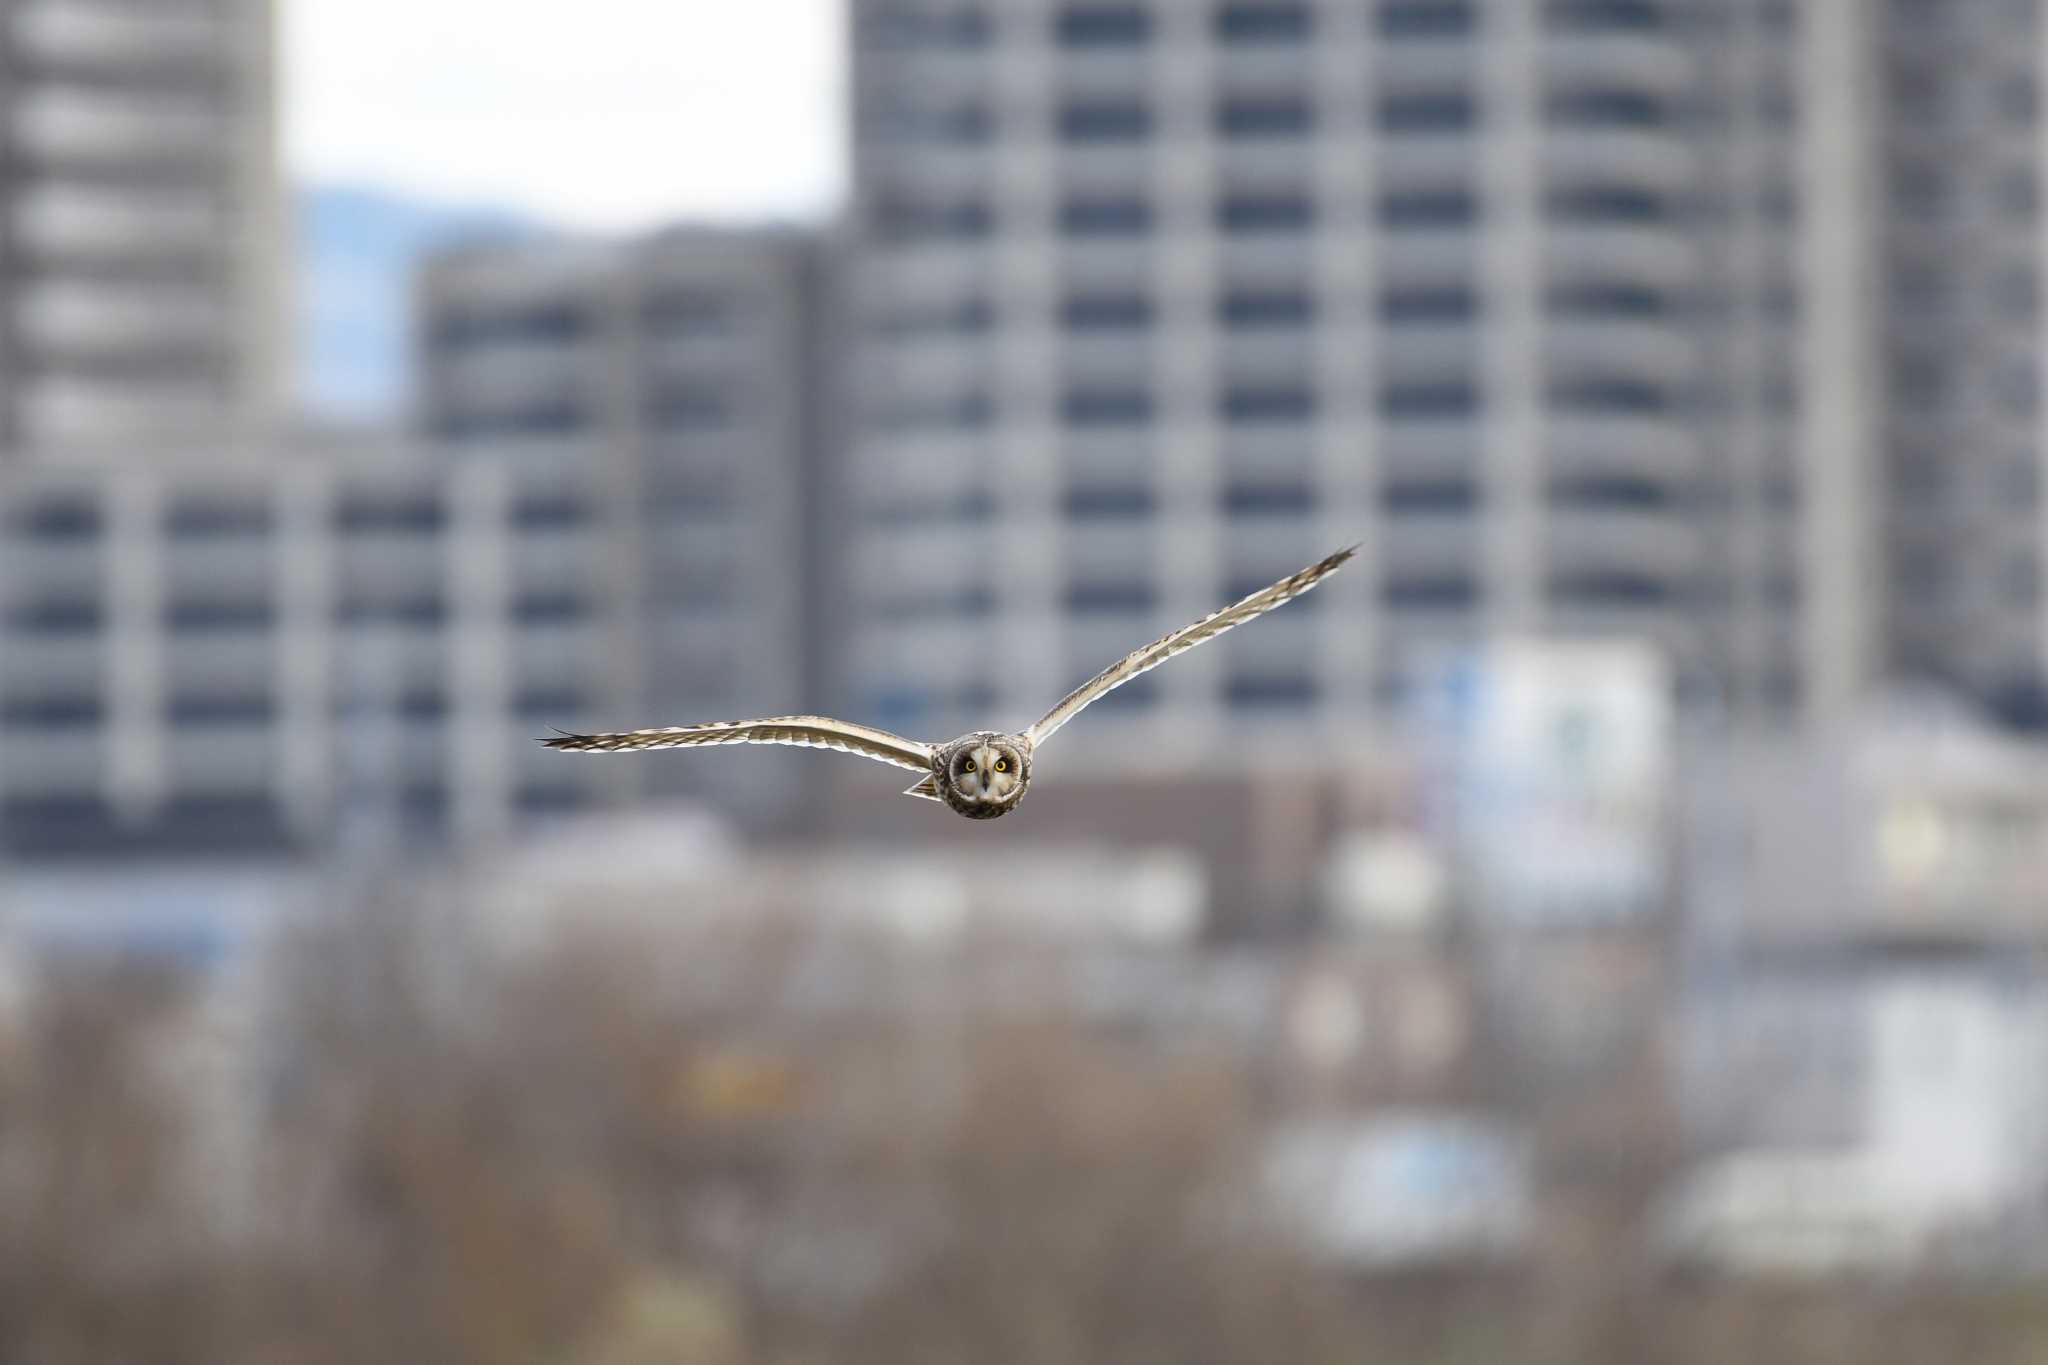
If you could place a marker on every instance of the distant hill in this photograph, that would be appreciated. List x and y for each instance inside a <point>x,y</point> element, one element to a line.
<point>357,249</point>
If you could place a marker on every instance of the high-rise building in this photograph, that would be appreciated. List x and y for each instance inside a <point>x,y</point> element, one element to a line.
<point>1552,306</point>
<point>611,527</point>
<point>686,369</point>
<point>1954,261</point>
<point>140,231</point>
<point>239,652</point>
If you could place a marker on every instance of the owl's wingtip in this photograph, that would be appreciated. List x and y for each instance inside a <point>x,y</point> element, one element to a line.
<point>1339,559</point>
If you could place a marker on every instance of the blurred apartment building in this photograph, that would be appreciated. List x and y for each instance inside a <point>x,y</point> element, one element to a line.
<point>141,241</point>
<point>1954,256</point>
<point>1865,1028</point>
<point>694,361</point>
<point>354,646</point>
<point>1156,301</point>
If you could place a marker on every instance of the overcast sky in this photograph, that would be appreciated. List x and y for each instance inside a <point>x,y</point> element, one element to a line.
<point>601,114</point>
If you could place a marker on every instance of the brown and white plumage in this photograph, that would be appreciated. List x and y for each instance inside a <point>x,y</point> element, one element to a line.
<point>808,732</point>
<point>980,775</point>
<point>1186,638</point>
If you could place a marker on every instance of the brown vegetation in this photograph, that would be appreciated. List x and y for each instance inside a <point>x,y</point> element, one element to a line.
<point>626,1153</point>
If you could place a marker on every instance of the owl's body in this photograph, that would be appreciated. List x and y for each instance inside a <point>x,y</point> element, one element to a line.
<point>981,775</point>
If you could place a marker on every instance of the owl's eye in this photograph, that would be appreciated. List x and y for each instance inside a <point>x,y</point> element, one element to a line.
<point>1002,765</point>
<point>968,767</point>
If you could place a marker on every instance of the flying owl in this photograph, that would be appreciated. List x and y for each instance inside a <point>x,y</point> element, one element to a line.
<point>980,775</point>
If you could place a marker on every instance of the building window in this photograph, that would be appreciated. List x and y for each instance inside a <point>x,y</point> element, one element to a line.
<point>56,616</point>
<point>550,324</point>
<point>967,317</point>
<point>1248,309</point>
<point>1103,26</point>
<point>1268,500</point>
<point>1440,592</point>
<point>1456,303</point>
<point>1106,407</point>
<point>1583,15</point>
<point>1280,116</point>
<point>1609,204</point>
<point>549,512</point>
<point>965,28</point>
<point>1265,694</point>
<point>1609,490</point>
<point>1434,495</point>
<point>550,608</point>
<point>1422,400</point>
<point>420,611</point>
<point>1263,23</point>
<point>1106,217</point>
<point>410,515</point>
<point>1106,312</point>
<point>562,417</point>
<point>1612,395</point>
<point>1112,597</point>
<point>219,711</point>
<point>59,519</point>
<point>1112,122</point>
<point>1609,108</point>
<point>1429,209</point>
<point>1612,588</point>
<point>1609,301</point>
<point>1426,18</point>
<point>1265,213</point>
<point>1110,503</point>
<point>200,617</point>
<point>1428,112</point>
<point>549,703</point>
<point>209,519</point>
<point>1248,407</point>
<point>52,713</point>
<point>927,222</point>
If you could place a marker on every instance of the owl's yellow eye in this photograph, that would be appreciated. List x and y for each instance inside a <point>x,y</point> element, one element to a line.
<point>969,766</point>
<point>1002,765</point>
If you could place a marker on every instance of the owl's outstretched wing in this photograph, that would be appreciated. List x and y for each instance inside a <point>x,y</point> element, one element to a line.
<point>810,732</point>
<point>1180,641</point>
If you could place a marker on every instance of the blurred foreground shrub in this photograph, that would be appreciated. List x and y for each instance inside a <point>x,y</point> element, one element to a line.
<point>397,1141</point>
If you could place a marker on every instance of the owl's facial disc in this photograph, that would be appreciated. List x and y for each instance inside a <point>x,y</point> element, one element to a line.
<point>987,774</point>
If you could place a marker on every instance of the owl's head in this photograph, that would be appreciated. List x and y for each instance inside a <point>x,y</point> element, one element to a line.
<point>984,775</point>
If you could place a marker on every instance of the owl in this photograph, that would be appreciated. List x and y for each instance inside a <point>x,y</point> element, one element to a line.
<point>981,775</point>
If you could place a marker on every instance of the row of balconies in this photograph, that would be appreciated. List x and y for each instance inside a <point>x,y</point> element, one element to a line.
<point>1405,63</point>
<point>96,35</point>
<point>1656,352</point>
<point>1388,162</point>
<point>89,224</point>
<point>1654,256</point>
<point>221,759</point>
<point>59,125</point>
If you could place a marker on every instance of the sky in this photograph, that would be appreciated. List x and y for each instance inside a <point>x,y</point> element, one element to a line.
<point>603,115</point>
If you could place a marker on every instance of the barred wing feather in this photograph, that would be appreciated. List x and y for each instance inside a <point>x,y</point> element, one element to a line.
<point>1180,641</point>
<point>810,732</point>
